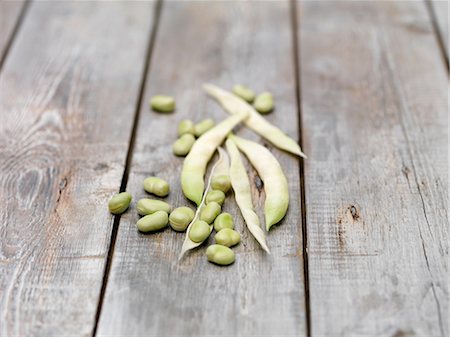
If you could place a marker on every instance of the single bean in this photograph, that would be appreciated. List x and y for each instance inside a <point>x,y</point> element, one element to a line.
<point>244,92</point>
<point>147,206</point>
<point>220,255</point>
<point>222,183</point>
<point>162,103</point>
<point>153,222</point>
<point>119,203</point>
<point>157,186</point>
<point>185,127</point>
<point>224,220</point>
<point>180,218</point>
<point>199,231</point>
<point>227,237</point>
<point>264,102</point>
<point>203,126</point>
<point>183,145</point>
<point>210,212</point>
<point>215,195</point>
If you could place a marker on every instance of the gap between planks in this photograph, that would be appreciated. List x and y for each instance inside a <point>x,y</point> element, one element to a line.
<point>298,97</point>
<point>123,184</point>
<point>437,32</point>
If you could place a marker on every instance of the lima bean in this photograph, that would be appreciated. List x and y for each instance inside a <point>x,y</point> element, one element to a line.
<point>264,102</point>
<point>147,206</point>
<point>162,103</point>
<point>224,220</point>
<point>157,186</point>
<point>244,92</point>
<point>215,195</point>
<point>220,255</point>
<point>183,145</point>
<point>180,218</point>
<point>199,231</point>
<point>222,183</point>
<point>227,237</point>
<point>210,212</point>
<point>153,222</point>
<point>119,203</point>
<point>185,127</point>
<point>204,126</point>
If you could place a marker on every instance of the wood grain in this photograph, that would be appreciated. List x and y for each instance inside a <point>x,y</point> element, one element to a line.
<point>440,8</point>
<point>375,127</point>
<point>9,15</point>
<point>67,100</point>
<point>149,292</point>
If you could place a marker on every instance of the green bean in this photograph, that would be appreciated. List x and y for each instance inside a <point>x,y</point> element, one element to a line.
<point>183,145</point>
<point>210,212</point>
<point>199,232</point>
<point>195,163</point>
<point>243,195</point>
<point>224,220</point>
<point>202,127</point>
<point>119,203</point>
<point>264,102</point>
<point>185,127</point>
<point>221,183</point>
<point>148,206</point>
<point>162,103</point>
<point>227,237</point>
<point>180,218</point>
<point>270,172</point>
<point>220,255</point>
<point>255,121</point>
<point>153,222</point>
<point>215,195</point>
<point>244,92</point>
<point>156,186</point>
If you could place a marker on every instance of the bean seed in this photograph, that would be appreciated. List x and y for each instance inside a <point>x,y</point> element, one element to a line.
<point>203,126</point>
<point>227,237</point>
<point>183,145</point>
<point>153,222</point>
<point>264,102</point>
<point>148,206</point>
<point>199,231</point>
<point>157,186</point>
<point>222,183</point>
<point>215,195</point>
<point>162,103</point>
<point>210,212</point>
<point>185,127</point>
<point>180,218</point>
<point>119,203</point>
<point>244,92</point>
<point>220,255</point>
<point>224,220</point>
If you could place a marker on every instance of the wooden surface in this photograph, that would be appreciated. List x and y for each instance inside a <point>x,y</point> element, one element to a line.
<point>375,126</point>
<point>363,85</point>
<point>67,114</point>
<point>440,9</point>
<point>259,294</point>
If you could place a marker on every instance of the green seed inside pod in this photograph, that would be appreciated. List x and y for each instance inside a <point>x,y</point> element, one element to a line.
<point>199,231</point>
<point>210,212</point>
<point>215,195</point>
<point>180,218</point>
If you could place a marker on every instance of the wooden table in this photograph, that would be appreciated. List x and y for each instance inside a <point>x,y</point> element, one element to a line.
<point>363,86</point>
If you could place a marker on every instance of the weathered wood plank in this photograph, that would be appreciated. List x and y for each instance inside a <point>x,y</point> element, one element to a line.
<point>440,8</point>
<point>375,115</point>
<point>9,15</point>
<point>67,100</point>
<point>148,291</point>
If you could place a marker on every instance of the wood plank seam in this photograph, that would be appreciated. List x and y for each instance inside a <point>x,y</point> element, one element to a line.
<point>296,46</point>
<point>123,184</point>
<point>437,32</point>
<point>14,33</point>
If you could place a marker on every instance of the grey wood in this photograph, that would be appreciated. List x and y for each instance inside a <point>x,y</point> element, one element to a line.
<point>375,125</point>
<point>149,292</point>
<point>441,10</point>
<point>68,93</point>
<point>9,15</point>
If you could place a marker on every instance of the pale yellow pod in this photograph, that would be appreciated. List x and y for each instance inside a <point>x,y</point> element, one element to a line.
<point>255,121</point>
<point>270,172</point>
<point>195,163</point>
